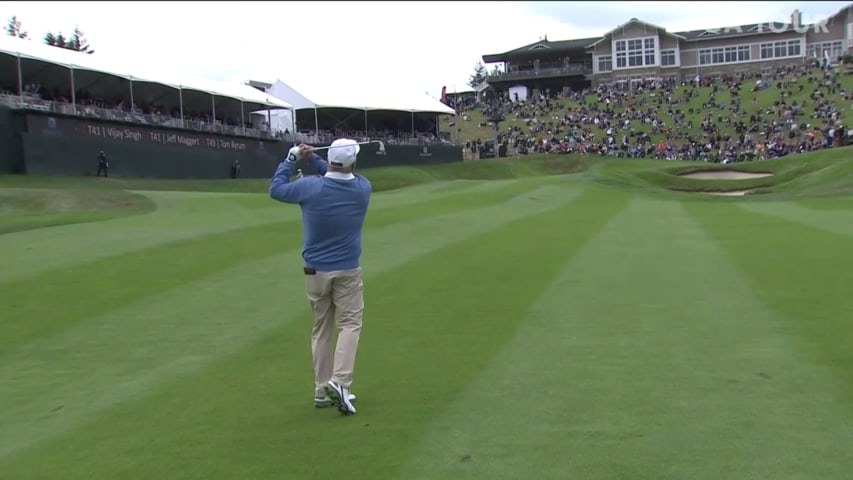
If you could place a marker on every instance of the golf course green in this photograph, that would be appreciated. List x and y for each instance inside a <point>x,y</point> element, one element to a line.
<point>545,318</point>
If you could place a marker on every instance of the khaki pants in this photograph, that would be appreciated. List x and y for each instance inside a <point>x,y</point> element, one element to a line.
<point>337,298</point>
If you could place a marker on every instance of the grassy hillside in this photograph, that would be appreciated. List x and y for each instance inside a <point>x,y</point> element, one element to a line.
<point>753,103</point>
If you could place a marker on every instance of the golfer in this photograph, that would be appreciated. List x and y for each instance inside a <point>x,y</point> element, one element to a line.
<point>333,209</point>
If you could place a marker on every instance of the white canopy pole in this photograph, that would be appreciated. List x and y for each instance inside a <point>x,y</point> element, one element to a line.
<point>213,109</point>
<point>293,129</point>
<point>20,77</point>
<point>132,109</point>
<point>242,117</point>
<point>73,92</point>
<point>181,100</point>
<point>316,123</point>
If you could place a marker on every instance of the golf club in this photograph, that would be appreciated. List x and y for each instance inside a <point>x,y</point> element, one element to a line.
<point>380,142</point>
<point>293,154</point>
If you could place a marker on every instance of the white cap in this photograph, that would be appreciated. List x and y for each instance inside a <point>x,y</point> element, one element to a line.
<point>343,152</point>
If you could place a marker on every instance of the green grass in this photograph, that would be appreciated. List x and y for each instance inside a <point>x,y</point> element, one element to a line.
<point>554,317</point>
<point>24,209</point>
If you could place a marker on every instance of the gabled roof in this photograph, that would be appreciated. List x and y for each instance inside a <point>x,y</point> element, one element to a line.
<point>357,99</point>
<point>541,45</point>
<point>749,29</point>
<point>733,31</point>
<point>633,21</point>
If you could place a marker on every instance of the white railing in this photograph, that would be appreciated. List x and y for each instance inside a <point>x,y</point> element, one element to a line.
<point>34,103</point>
<point>29,102</point>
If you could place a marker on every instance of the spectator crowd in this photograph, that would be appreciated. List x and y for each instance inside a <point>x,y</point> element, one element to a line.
<point>719,120</point>
<point>90,105</point>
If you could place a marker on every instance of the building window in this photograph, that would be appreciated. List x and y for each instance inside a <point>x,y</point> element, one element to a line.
<point>717,56</point>
<point>794,48</point>
<point>649,51</point>
<point>832,49</point>
<point>605,63</point>
<point>636,52</point>
<point>621,60</point>
<point>791,48</point>
<point>667,58</point>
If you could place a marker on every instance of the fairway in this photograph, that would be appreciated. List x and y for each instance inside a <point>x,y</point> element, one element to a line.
<point>600,324</point>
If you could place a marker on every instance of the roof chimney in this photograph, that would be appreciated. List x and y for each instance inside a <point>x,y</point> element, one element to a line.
<point>797,18</point>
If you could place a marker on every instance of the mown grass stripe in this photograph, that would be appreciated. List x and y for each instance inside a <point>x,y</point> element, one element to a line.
<point>796,271</point>
<point>181,216</point>
<point>660,364</point>
<point>836,221</point>
<point>130,350</point>
<point>431,327</point>
<point>30,306</point>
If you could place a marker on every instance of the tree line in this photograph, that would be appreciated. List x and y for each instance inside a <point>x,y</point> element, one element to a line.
<point>481,74</point>
<point>76,41</point>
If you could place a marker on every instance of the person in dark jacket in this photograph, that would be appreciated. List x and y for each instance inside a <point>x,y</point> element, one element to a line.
<point>103,164</point>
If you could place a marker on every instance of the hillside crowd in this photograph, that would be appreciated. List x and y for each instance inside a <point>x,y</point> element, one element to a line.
<point>654,120</point>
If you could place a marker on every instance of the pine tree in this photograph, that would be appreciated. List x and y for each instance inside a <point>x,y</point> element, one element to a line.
<point>479,75</point>
<point>78,42</point>
<point>50,39</point>
<point>13,28</point>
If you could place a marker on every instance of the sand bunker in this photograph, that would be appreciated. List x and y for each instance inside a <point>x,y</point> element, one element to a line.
<point>725,175</point>
<point>730,193</point>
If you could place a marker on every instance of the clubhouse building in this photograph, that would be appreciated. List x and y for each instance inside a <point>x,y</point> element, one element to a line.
<point>639,51</point>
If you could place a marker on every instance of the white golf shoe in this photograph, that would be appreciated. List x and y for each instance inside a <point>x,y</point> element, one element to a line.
<point>340,397</point>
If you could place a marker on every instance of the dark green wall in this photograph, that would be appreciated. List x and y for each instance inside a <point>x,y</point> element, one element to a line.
<point>58,145</point>
<point>11,155</point>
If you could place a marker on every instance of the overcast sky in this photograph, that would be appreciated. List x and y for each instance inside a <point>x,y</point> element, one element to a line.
<point>389,46</point>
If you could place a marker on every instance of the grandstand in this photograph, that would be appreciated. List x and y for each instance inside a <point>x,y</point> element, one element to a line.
<point>323,115</point>
<point>38,77</point>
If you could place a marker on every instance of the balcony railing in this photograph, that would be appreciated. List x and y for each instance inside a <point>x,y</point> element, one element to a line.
<point>28,102</point>
<point>33,103</point>
<point>571,69</point>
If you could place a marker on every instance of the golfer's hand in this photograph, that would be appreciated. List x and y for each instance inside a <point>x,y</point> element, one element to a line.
<point>305,151</point>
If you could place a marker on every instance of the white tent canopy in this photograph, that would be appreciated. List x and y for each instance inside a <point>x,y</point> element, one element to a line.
<point>34,50</point>
<point>357,99</point>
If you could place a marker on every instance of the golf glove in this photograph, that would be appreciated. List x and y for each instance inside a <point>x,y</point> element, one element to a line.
<point>293,155</point>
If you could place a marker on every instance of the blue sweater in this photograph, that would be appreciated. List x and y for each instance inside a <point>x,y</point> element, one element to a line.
<point>333,212</point>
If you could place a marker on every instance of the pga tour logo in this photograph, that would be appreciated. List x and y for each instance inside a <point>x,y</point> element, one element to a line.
<point>818,26</point>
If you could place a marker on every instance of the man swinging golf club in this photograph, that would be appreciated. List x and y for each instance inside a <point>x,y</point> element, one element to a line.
<point>333,209</point>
